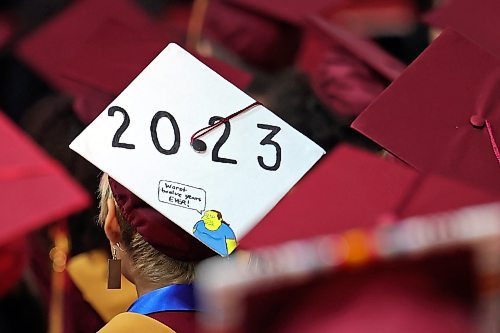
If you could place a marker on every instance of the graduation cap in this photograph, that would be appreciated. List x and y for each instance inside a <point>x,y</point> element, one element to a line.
<point>263,33</point>
<point>35,190</point>
<point>146,140</point>
<point>346,71</point>
<point>477,22</point>
<point>439,115</point>
<point>344,198</point>
<point>114,55</point>
<point>51,45</point>
<point>354,189</point>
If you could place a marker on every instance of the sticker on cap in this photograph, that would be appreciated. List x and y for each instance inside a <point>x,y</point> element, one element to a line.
<point>244,160</point>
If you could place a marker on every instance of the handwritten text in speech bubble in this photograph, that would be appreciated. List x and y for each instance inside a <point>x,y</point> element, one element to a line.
<point>182,195</point>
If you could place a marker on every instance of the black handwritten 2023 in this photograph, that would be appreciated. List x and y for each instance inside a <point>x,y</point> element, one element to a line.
<point>268,140</point>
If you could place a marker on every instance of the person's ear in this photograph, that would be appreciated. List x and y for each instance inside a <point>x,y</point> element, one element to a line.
<point>111,225</point>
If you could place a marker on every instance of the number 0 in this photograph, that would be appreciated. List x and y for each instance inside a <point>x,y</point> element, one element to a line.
<point>154,134</point>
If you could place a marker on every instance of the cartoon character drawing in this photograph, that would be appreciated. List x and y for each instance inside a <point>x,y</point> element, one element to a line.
<point>214,232</point>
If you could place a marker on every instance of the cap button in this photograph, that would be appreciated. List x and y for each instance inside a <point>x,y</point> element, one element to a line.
<point>199,146</point>
<point>477,121</point>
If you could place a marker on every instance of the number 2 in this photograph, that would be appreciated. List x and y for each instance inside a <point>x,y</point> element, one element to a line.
<point>126,122</point>
<point>268,141</point>
<point>221,141</point>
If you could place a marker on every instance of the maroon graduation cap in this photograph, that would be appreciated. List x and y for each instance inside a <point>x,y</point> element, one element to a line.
<point>35,190</point>
<point>441,115</point>
<point>475,20</point>
<point>51,45</point>
<point>115,54</point>
<point>263,33</point>
<point>346,71</point>
<point>352,189</point>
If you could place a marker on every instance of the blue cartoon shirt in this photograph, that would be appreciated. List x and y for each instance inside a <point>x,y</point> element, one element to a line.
<point>216,239</point>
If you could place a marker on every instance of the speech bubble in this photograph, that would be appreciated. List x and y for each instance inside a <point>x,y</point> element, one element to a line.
<point>182,195</point>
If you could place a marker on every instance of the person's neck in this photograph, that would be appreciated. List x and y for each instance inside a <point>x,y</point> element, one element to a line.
<point>144,287</point>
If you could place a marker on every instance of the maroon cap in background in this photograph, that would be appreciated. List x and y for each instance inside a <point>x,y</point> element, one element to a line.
<point>441,115</point>
<point>346,72</point>
<point>475,20</point>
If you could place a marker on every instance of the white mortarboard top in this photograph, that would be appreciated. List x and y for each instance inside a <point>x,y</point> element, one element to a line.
<point>143,141</point>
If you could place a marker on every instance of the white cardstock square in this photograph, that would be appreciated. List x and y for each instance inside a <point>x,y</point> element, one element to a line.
<point>174,179</point>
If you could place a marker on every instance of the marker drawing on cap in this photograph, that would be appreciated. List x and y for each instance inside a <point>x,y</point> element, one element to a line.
<point>214,232</point>
<point>182,195</point>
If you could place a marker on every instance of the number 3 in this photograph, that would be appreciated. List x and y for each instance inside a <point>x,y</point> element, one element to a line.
<point>268,141</point>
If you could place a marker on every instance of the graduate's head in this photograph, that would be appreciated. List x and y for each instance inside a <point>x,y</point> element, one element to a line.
<point>153,247</point>
<point>212,219</point>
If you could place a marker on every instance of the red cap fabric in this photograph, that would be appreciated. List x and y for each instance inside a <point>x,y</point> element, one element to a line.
<point>440,115</point>
<point>156,229</point>
<point>350,189</point>
<point>114,55</point>
<point>431,295</point>
<point>48,48</point>
<point>346,72</point>
<point>34,189</point>
<point>257,40</point>
<point>263,33</point>
<point>365,50</point>
<point>477,21</point>
<point>110,59</point>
